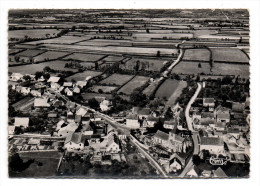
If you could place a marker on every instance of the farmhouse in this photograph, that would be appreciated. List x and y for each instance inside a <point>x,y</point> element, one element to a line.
<point>212,144</point>
<point>209,102</point>
<point>74,141</point>
<point>21,122</point>
<point>132,121</point>
<point>161,138</point>
<point>141,112</point>
<point>170,124</point>
<point>69,129</point>
<point>41,102</point>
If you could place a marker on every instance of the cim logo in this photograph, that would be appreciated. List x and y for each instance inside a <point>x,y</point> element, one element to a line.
<point>217,161</point>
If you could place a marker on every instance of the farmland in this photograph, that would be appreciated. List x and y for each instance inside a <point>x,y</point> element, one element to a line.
<point>196,55</point>
<point>104,89</point>
<point>50,55</point>
<point>229,55</point>
<point>87,96</point>
<point>30,53</point>
<point>82,76</point>
<point>111,58</point>
<point>116,79</point>
<point>84,57</point>
<point>144,64</point>
<point>136,82</point>
<point>191,68</point>
<point>177,92</point>
<point>33,33</point>
<point>168,88</point>
<point>32,68</point>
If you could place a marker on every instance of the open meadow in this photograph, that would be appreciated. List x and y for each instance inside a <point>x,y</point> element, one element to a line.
<point>82,76</point>
<point>116,79</point>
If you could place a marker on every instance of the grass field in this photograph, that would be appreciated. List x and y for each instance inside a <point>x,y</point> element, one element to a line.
<point>151,88</point>
<point>136,82</point>
<point>229,55</point>
<point>33,33</point>
<point>116,79</point>
<point>231,69</point>
<point>177,92</point>
<point>85,57</point>
<point>88,65</point>
<point>113,58</point>
<point>196,55</point>
<point>146,64</point>
<point>105,89</point>
<point>82,76</point>
<point>115,49</point>
<point>30,53</point>
<point>32,68</point>
<point>61,40</point>
<point>191,68</point>
<point>167,89</point>
<point>50,55</point>
<point>49,166</point>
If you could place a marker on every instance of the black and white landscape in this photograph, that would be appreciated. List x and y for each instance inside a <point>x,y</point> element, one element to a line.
<point>149,93</point>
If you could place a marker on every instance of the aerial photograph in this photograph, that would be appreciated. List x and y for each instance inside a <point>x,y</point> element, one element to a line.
<point>128,93</point>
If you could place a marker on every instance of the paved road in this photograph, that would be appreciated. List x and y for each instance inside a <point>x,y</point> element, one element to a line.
<point>194,133</point>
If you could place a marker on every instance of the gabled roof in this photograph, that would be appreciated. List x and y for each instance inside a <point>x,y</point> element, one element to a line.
<point>208,100</point>
<point>81,111</point>
<point>223,115</point>
<point>141,111</point>
<point>53,79</point>
<point>161,135</point>
<point>219,173</point>
<point>151,118</point>
<point>41,102</point>
<point>67,84</point>
<point>132,116</point>
<point>207,115</point>
<point>74,137</point>
<point>211,141</point>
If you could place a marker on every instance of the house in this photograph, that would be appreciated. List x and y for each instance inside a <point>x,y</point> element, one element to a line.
<point>113,146</point>
<point>161,138</point>
<point>85,119</point>
<point>141,112</point>
<point>52,115</point>
<point>87,130</point>
<point>25,90</point>
<point>69,129</point>
<point>70,117</point>
<point>59,124</point>
<point>105,105</point>
<point>41,102</point>
<point>132,121</point>
<point>81,84</point>
<point>223,117</point>
<point>122,134</point>
<point>238,107</point>
<point>16,77</point>
<point>209,102</point>
<point>219,173</point>
<point>151,121</point>
<point>36,93</point>
<point>194,172</point>
<point>76,90</point>
<point>68,92</point>
<point>206,173</point>
<point>19,121</point>
<point>220,126</point>
<point>78,118</point>
<point>67,84</point>
<point>212,144</point>
<point>11,129</point>
<point>176,142</point>
<point>81,111</point>
<point>53,79</point>
<point>74,141</point>
<point>170,124</point>
<point>55,86</point>
<point>176,162</point>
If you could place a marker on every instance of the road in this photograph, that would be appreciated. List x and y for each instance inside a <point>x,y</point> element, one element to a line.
<point>194,133</point>
<point>169,69</point>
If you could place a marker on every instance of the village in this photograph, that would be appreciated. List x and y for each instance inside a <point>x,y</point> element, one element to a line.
<point>168,112</point>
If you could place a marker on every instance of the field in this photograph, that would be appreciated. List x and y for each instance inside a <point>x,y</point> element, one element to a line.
<point>151,88</point>
<point>218,69</point>
<point>14,51</point>
<point>84,57</point>
<point>33,33</point>
<point>113,58</point>
<point>49,166</point>
<point>167,89</point>
<point>50,55</point>
<point>116,79</point>
<point>196,55</point>
<point>115,49</point>
<point>229,55</point>
<point>87,96</point>
<point>177,92</point>
<point>146,64</point>
<point>32,68</point>
<point>136,82</point>
<point>61,40</point>
<point>191,68</point>
<point>30,53</point>
<point>104,89</point>
<point>82,76</point>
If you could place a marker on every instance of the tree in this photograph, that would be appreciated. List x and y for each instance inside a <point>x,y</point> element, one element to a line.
<point>47,69</point>
<point>199,65</point>
<point>16,163</point>
<point>26,77</point>
<point>38,74</point>
<point>93,103</point>
<point>147,30</point>
<point>196,160</point>
<point>158,53</point>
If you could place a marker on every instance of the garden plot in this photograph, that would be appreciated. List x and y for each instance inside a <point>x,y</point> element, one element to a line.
<point>84,57</point>
<point>116,79</point>
<point>177,92</point>
<point>32,33</point>
<point>167,89</point>
<point>144,64</point>
<point>229,55</point>
<point>49,55</point>
<point>82,76</point>
<point>196,55</point>
<point>32,68</point>
<point>136,82</point>
<point>102,89</point>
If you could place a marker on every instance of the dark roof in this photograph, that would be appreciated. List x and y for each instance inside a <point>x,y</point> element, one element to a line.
<point>161,135</point>
<point>223,115</point>
<point>238,107</point>
<point>151,118</point>
<point>208,100</point>
<point>141,111</point>
<point>219,173</point>
<point>207,115</point>
<point>211,141</point>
